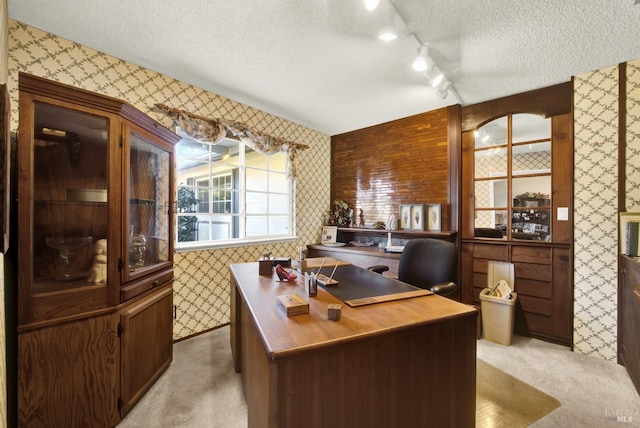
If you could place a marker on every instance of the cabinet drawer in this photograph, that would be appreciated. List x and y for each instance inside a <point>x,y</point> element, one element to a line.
<point>540,255</point>
<point>532,271</point>
<point>488,251</point>
<point>136,288</point>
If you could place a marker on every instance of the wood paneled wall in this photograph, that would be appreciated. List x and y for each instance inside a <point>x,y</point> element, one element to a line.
<point>405,161</point>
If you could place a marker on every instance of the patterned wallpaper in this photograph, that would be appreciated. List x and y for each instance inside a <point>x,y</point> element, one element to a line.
<point>202,277</point>
<point>595,212</point>
<point>632,202</point>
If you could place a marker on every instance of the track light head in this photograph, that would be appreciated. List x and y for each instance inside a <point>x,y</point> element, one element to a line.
<point>436,77</point>
<point>422,61</point>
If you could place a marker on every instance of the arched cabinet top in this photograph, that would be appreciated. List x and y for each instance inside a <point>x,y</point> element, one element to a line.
<point>549,101</point>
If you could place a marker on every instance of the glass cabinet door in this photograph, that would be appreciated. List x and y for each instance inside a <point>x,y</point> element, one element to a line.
<point>512,178</point>
<point>148,230</point>
<point>70,198</point>
<point>63,214</point>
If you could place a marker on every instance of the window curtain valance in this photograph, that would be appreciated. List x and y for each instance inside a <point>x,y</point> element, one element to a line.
<point>213,130</point>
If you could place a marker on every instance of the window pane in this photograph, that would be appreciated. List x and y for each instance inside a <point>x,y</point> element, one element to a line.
<point>530,127</point>
<point>278,225</point>
<point>492,134</point>
<point>493,219</point>
<point>278,162</point>
<point>534,190</point>
<point>278,204</point>
<point>491,163</point>
<point>278,182</point>
<point>256,160</point>
<point>257,226</point>
<point>257,180</point>
<point>491,193</point>
<point>531,158</point>
<point>256,203</point>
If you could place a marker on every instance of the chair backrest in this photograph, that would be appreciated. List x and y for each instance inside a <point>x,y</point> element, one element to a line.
<point>427,261</point>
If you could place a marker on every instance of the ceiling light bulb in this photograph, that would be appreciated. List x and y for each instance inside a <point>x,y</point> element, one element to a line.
<point>438,78</point>
<point>371,5</point>
<point>388,34</point>
<point>421,63</point>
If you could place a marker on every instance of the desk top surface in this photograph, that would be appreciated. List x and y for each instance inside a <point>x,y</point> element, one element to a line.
<point>285,336</point>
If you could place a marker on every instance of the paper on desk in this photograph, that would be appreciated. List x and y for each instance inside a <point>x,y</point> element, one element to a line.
<point>501,290</point>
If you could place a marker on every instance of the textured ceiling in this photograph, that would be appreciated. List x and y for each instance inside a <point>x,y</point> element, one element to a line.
<point>319,62</point>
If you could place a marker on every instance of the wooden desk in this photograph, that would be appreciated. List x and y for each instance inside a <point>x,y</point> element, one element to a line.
<point>406,363</point>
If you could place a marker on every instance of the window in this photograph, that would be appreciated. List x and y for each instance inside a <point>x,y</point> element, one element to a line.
<point>229,194</point>
<point>512,183</point>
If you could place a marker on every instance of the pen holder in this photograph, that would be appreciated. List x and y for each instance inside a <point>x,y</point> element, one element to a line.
<point>265,267</point>
<point>326,281</point>
<point>301,265</point>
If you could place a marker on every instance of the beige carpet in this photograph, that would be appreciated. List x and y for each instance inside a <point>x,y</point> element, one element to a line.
<point>504,401</point>
<point>200,389</point>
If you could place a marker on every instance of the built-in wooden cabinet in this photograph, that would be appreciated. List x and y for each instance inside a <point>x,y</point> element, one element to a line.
<point>95,266</point>
<point>629,318</point>
<point>518,180</point>
<point>543,278</point>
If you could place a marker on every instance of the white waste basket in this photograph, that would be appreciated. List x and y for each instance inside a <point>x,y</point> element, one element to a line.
<point>497,317</point>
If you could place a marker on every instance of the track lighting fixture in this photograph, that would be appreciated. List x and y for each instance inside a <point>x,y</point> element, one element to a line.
<point>421,63</point>
<point>371,5</point>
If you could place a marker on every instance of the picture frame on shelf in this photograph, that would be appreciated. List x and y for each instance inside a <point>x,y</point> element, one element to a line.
<point>329,235</point>
<point>405,216</point>
<point>417,217</point>
<point>434,217</point>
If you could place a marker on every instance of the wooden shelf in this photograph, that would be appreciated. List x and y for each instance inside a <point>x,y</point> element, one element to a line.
<point>399,233</point>
<point>352,249</point>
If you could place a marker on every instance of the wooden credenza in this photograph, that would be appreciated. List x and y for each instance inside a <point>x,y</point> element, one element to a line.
<point>629,318</point>
<point>372,255</point>
<point>405,363</point>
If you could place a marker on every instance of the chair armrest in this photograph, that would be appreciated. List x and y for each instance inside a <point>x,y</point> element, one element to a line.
<point>444,289</point>
<point>378,268</point>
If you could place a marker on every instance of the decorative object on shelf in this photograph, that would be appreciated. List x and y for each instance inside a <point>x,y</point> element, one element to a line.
<point>138,250</point>
<point>329,235</point>
<point>417,217</point>
<point>391,223</point>
<point>68,249</point>
<point>98,271</point>
<point>361,218</point>
<point>340,214</point>
<point>389,244</point>
<point>434,217</point>
<point>531,200</point>
<point>405,217</point>
<point>213,130</point>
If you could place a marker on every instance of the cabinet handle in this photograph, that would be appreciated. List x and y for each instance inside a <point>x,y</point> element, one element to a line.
<point>155,283</point>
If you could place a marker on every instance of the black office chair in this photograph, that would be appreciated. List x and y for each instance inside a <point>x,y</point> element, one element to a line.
<point>427,263</point>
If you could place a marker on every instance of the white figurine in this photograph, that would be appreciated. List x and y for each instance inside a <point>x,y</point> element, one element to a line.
<point>98,271</point>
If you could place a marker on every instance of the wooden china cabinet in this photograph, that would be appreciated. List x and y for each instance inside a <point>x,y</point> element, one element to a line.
<point>95,255</point>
